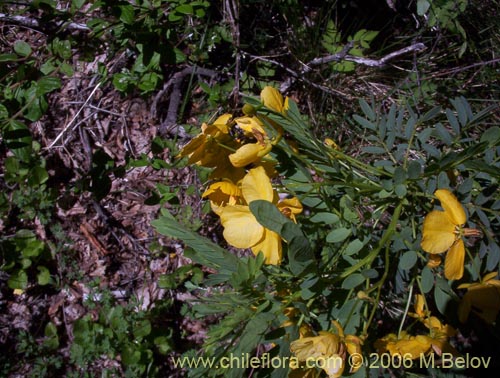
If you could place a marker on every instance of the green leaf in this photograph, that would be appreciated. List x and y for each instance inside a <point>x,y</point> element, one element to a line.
<point>400,190</point>
<point>4,113</point>
<point>18,280</point>
<point>491,136</point>
<point>203,250</point>
<point>127,14</point>
<point>22,48</point>
<point>431,114</point>
<point>352,281</point>
<point>77,4</point>
<point>414,170</point>
<point>37,176</point>
<point>408,260</point>
<point>43,276</point>
<point>373,150</point>
<point>121,81</point>
<point>8,57</point>
<point>300,255</point>
<point>443,295</point>
<point>452,119</point>
<point>493,256</point>
<point>51,340</point>
<point>427,281</point>
<point>328,218</point>
<point>367,109</point>
<point>130,355</point>
<point>184,9</point>
<point>338,235</point>
<point>444,134</point>
<point>364,122</point>
<point>47,84</point>
<point>142,329</point>
<point>268,215</point>
<point>353,247</point>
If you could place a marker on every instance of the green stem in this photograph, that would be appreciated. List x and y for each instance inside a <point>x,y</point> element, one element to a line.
<point>406,309</point>
<point>385,238</point>
<point>378,285</point>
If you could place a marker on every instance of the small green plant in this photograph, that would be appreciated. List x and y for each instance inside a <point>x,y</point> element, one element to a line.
<point>120,332</point>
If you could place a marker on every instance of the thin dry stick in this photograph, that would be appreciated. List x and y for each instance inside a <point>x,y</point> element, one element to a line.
<point>75,116</point>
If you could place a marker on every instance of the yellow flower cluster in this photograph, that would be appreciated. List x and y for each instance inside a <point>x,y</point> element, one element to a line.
<point>238,150</point>
<point>409,346</point>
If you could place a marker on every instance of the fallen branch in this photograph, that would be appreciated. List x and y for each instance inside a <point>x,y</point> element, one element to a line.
<point>35,24</point>
<point>342,55</point>
<point>175,84</point>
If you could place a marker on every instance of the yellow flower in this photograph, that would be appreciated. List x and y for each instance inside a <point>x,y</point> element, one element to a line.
<point>434,261</point>
<point>328,350</point>
<point>241,228</point>
<point>443,231</point>
<point>251,152</point>
<point>406,345</point>
<point>272,99</point>
<point>330,143</point>
<point>206,148</point>
<point>483,298</point>
<point>261,144</point>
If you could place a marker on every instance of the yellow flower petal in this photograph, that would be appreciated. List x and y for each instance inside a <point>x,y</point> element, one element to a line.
<point>333,366</point>
<point>490,276</point>
<point>272,99</point>
<point>454,262</point>
<point>451,206</point>
<point>415,346</point>
<point>438,232</point>
<point>241,229</point>
<point>223,193</point>
<point>256,185</point>
<point>223,120</point>
<point>326,344</point>
<point>249,153</point>
<point>353,345</point>
<point>270,246</point>
<point>419,305</point>
<point>249,124</point>
<point>290,206</point>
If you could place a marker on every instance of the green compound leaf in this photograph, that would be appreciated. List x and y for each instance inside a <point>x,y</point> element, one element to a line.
<point>204,251</point>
